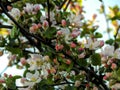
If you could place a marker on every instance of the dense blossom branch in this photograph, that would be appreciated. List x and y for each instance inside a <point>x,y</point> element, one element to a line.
<point>22,30</point>
<point>37,40</point>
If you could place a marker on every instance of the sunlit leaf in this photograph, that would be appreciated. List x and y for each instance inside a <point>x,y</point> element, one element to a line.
<point>79,2</point>
<point>4,31</point>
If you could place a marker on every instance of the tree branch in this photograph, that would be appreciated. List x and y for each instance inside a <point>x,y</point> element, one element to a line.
<point>48,3</point>
<point>6,26</point>
<point>115,36</point>
<point>22,30</point>
<point>67,5</point>
<point>63,4</point>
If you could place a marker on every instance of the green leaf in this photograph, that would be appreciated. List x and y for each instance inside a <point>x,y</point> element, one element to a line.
<point>10,82</point>
<point>82,62</point>
<point>98,35</point>
<point>70,67</point>
<point>17,77</point>
<point>14,50</point>
<point>95,59</point>
<point>110,41</point>
<point>2,87</point>
<point>70,88</point>
<point>50,33</point>
<point>79,2</point>
<point>14,32</point>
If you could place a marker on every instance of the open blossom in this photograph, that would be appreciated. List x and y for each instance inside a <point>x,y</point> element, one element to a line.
<point>75,20</point>
<point>15,12</point>
<point>36,7</point>
<point>72,45</point>
<point>110,51</point>
<point>32,79</point>
<point>52,18</point>
<point>63,22</point>
<point>66,33</point>
<point>117,53</point>
<point>113,66</point>
<point>29,8</point>
<point>23,61</point>
<point>59,47</point>
<point>35,62</point>
<point>92,44</point>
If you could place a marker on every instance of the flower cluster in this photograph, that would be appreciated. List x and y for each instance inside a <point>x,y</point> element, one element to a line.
<point>61,50</point>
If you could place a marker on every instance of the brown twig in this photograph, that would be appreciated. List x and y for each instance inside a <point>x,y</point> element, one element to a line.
<point>62,4</point>
<point>67,5</point>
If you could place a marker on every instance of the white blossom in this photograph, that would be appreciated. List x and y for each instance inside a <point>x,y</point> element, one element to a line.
<point>32,78</point>
<point>91,44</point>
<point>35,62</point>
<point>66,33</point>
<point>75,19</point>
<point>108,50</point>
<point>29,8</point>
<point>117,53</point>
<point>15,12</point>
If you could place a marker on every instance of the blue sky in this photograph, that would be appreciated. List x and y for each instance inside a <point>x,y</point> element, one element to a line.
<point>91,7</point>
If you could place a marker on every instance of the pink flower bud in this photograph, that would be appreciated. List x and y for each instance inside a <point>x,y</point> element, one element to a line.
<point>2,81</point>
<point>108,74</point>
<point>5,74</point>
<point>23,61</point>
<point>68,52</point>
<point>101,43</point>
<point>59,33</point>
<point>39,25</point>
<point>55,61</point>
<point>75,33</point>
<point>10,76</point>
<point>9,8</point>
<point>59,47</point>
<point>72,45</point>
<point>81,49</point>
<point>63,22</point>
<point>35,26</point>
<point>45,24</point>
<point>105,77</point>
<point>82,55</point>
<point>113,66</point>
<point>94,16</point>
<point>68,61</point>
<point>52,70</point>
